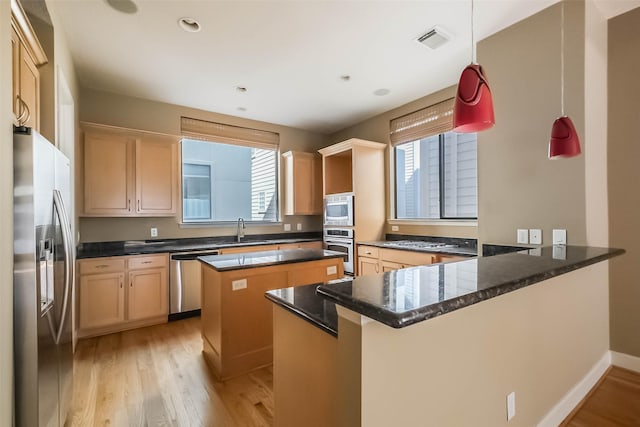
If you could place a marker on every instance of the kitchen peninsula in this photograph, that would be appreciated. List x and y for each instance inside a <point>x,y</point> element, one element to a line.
<point>445,344</point>
<point>236,318</point>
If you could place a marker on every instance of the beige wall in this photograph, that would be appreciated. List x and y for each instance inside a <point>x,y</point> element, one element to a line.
<point>623,177</point>
<point>458,368</point>
<point>6,219</point>
<point>136,113</point>
<point>519,187</point>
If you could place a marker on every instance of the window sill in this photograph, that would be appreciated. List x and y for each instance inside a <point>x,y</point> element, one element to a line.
<point>228,224</point>
<point>435,222</point>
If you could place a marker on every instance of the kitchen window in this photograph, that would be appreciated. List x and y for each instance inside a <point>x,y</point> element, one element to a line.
<point>227,175</point>
<point>435,169</point>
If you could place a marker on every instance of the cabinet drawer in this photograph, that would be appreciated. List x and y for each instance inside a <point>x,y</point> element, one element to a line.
<point>407,257</point>
<point>146,261</point>
<point>368,251</point>
<point>100,265</point>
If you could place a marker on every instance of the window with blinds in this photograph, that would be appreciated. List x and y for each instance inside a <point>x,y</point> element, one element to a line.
<point>435,169</point>
<point>228,172</point>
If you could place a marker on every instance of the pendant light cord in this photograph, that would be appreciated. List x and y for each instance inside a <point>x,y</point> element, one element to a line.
<point>473,44</point>
<point>562,60</point>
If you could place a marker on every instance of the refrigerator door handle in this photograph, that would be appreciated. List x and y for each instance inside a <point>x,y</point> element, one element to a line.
<point>68,270</point>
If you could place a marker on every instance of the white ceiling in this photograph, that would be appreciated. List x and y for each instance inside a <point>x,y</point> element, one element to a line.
<point>290,55</point>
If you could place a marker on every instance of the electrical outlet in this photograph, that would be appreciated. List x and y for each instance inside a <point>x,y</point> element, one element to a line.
<point>511,405</point>
<point>287,227</point>
<point>523,235</point>
<point>331,270</point>
<point>395,228</point>
<point>238,284</point>
<point>559,237</point>
<point>154,232</point>
<point>535,236</point>
<point>299,227</point>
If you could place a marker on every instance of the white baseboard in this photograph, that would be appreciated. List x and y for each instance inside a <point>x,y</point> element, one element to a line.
<point>564,407</point>
<point>626,361</point>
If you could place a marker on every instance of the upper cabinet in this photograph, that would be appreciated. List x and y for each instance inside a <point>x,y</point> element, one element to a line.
<point>128,173</point>
<point>302,183</point>
<point>27,56</point>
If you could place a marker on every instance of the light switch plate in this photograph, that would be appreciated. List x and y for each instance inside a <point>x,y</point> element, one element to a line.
<point>535,236</point>
<point>523,235</point>
<point>395,228</point>
<point>559,237</point>
<point>331,270</point>
<point>287,227</point>
<point>299,227</point>
<point>511,405</point>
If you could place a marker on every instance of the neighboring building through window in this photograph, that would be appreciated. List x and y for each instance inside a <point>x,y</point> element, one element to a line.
<point>436,177</point>
<point>223,182</point>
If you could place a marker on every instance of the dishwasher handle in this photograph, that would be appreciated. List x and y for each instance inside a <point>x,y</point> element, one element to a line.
<point>191,256</point>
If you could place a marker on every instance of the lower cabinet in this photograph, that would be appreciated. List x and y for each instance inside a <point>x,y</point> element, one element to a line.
<point>374,260</point>
<point>121,293</point>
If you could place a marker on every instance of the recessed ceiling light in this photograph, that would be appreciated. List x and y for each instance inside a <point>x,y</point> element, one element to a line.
<point>345,77</point>
<point>381,92</point>
<point>241,89</point>
<point>124,6</point>
<point>434,38</point>
<point>190,25</point>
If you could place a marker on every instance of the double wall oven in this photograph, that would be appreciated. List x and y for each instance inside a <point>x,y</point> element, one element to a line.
<point>341,240</point>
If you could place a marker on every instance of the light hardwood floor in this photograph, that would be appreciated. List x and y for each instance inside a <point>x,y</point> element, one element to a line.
<point>614,401</point>
<point>156,376</point>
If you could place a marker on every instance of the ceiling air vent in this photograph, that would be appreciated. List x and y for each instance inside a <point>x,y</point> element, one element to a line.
<point>434,38</point>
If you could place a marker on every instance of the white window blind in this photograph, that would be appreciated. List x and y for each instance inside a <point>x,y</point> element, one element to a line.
<point>423,123</point>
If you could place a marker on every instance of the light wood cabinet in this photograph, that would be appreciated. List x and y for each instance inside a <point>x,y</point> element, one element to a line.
<point>119,293</point>
<point>302,183</point>
<point>101,300</point>
<point>237,320</point>
<point>373,260</point>
<point>129,174</point>
<point>27,55</point>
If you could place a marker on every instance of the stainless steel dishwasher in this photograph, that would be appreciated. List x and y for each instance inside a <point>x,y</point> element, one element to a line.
<point>185,281</point>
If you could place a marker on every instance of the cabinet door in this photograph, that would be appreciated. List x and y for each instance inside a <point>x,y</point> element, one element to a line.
<point>303,183</point>
<point>148,294</point>
<point>367,266</point>
<point>156,176</point>
<point>101,300</point>
<point>108,174</point>
<point>390,266</point>
<point>29,90</point>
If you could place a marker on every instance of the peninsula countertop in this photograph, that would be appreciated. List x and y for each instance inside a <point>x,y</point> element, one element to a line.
<point>240,261</point>
<point>403,297</point>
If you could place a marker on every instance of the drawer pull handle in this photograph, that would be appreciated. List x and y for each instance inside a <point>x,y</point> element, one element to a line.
<point>146,262</point>
<point>367,253</point>
<point>102,266</point>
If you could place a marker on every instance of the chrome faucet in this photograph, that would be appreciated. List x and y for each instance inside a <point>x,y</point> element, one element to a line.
<point>240,229</point>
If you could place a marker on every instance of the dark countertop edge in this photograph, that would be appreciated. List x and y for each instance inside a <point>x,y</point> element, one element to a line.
<point>411,317</point>
<point>269,264</point>
<point>315,321</point>
<point>140,250</point>
<point>465,252</point>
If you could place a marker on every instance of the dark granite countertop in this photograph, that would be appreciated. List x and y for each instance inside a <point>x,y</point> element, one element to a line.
<point>304,302</point>
<point>136,247</point>
<point>266,258</point>
<point>424,246</point>
<point>403,297</point>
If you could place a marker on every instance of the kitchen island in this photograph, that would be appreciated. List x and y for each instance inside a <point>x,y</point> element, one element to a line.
<point>236,318</point>
<point>446,344</point>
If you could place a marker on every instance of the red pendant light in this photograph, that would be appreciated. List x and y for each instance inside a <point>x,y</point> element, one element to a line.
<point>473,107</point>
<point>564,141</point>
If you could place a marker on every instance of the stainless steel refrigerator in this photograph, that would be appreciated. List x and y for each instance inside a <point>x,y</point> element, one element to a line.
<point>43,282</point>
